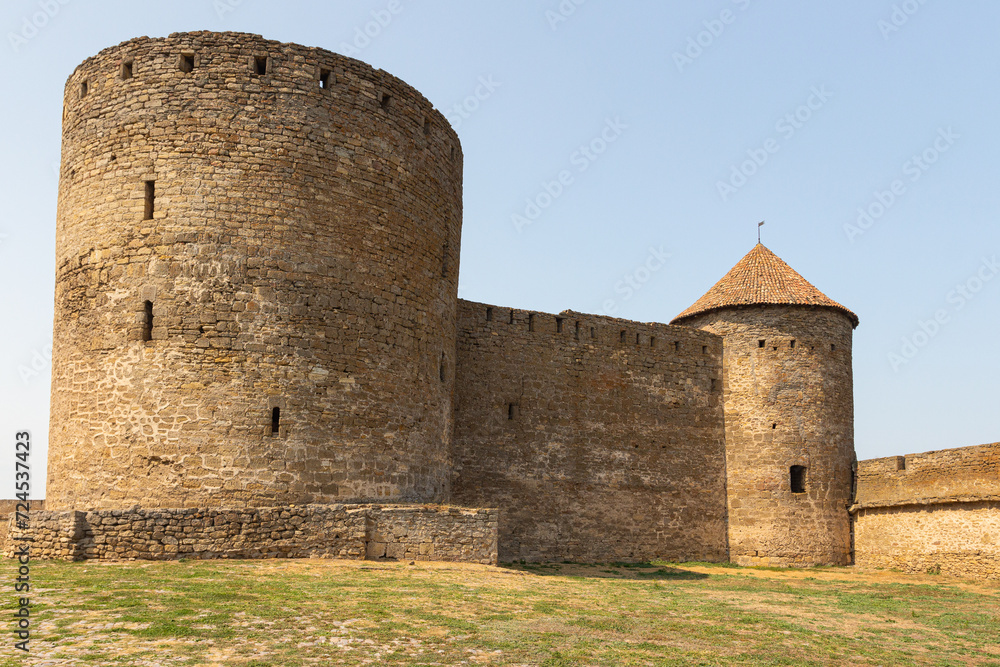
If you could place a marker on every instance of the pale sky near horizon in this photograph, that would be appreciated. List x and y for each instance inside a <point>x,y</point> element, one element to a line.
<point>863,132</point>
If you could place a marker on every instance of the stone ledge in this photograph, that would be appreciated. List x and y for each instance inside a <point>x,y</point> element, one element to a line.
<point>923,502</point>
<point>403,532</point>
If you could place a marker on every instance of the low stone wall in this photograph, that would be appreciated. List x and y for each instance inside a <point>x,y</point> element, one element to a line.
<point>411,532</point>
<point>9,506</point>
<point>932,512</point>
<point>960,539</point>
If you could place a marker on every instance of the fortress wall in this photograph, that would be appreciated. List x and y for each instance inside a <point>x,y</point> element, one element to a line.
<point>788,392</point>
<point>403,532</point>
<point>599,439</point>
<point>964,473</point>
<point>932,512</point>
<point>297,246</point>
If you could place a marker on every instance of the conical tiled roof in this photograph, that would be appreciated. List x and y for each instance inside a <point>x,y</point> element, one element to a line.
<point>761,277</point>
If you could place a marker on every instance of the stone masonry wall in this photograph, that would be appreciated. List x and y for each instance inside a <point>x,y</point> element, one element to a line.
<point>257,262</point>
<point>789,401</point>
<point>308,531</point>
<point>932,512</point>
<point>598,438</point>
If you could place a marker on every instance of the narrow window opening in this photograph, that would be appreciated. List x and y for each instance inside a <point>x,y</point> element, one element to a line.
<point>593,333</point>
<point>761,343</point>
<point>637,339</point>
<point>489,314</point>
<point>324,79</point>
<point>275,421</point>
<point>147,321</point>
<point>452,152</point>
<point>512,316</point>
<point>714,381</point>
<point>774,425</point>
<point>150,200</point>
<point>798,479</point>
<point>791,344</point>
<point>559,325</point>
<point>576,334</point>
<point>427,127</point>
<point>186,63</point>
<point>652,341</point>
<point>677,346</point>
<point>621,337</point>
<point>441,368</point>
<point>511,411</point>
<point>127,67</point>
<point>833,347</point>
<point>531,322</point>
<point>84,88</point>
<point>704,349</point>
<point>260,65</point>
<point>385,100</point>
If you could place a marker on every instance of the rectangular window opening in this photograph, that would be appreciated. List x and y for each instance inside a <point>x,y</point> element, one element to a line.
<point>677,346</point>
<point>791,344</point>
<point>531,322</point>
<point>798,479</point>
<point>441,369</point>
<point>714,384</point>
<point>833,347</point>
<point>652,341</point>
<point>325,79</point>
<point>621,337</point>
<point>511,411</point>
<point>150,200</point>
<point>427,127</point>
<point>593,333</point>
<point>84,88</point>
<point>275,421</point>
<point>704,349</point>
<point>186,63</point>
<point>761,343</point>
<point>385,100</point>
<point>260,65</point>
<point>489,314</point>
<point>559,325</point>
<point>512,316</point>
<point>576,334</point>
<point>127,68</point>
<point>147,321</point>
<point>637,339</point>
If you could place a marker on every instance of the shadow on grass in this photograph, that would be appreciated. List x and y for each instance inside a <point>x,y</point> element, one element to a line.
<point>636,571</point>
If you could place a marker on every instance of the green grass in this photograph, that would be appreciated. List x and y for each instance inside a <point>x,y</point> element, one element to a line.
<point>296,613</point>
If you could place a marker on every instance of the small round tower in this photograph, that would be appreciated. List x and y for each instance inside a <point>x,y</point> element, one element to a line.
<point>256,280</point>
<point>789,412</point>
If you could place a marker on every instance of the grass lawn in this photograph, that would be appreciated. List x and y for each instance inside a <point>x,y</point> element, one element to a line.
<point>321,612</point>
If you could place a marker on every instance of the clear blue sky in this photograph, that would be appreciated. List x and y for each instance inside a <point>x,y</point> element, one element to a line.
<point>829,102</point>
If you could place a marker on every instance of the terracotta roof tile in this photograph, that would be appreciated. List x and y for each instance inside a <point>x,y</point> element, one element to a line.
<point>761,277</point>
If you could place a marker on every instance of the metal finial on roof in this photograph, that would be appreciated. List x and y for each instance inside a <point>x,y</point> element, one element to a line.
<point>759,225</point>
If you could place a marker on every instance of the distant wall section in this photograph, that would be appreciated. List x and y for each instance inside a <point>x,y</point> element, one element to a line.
<point>599,439</point>
<point>932,512</point>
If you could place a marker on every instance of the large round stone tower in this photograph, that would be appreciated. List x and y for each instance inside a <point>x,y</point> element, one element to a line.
<point>789,412</point>
<point>257,261</point>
